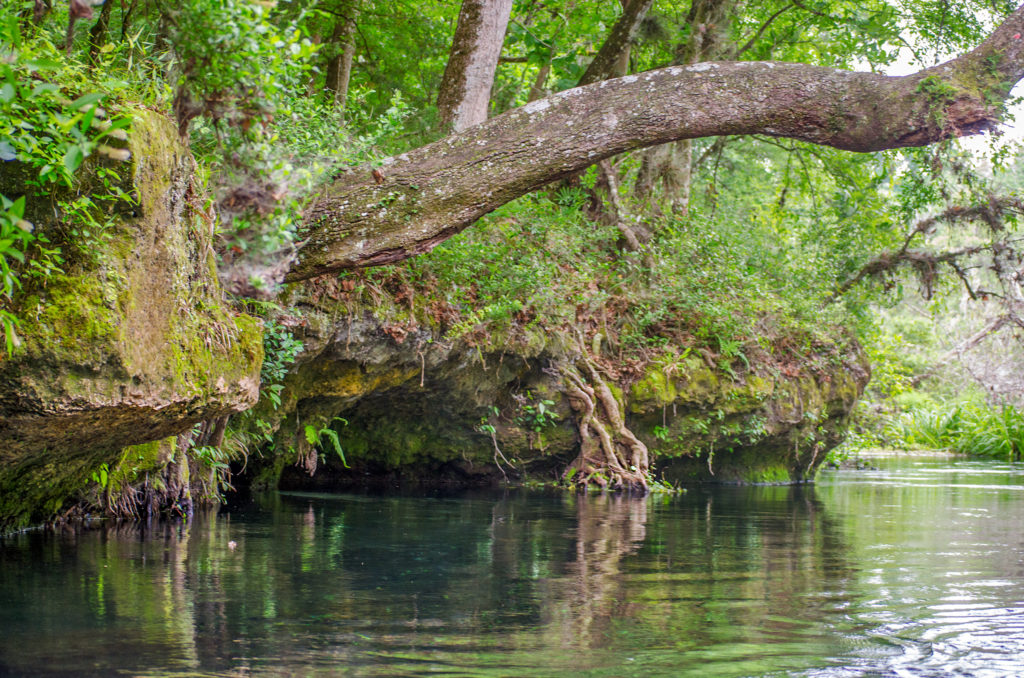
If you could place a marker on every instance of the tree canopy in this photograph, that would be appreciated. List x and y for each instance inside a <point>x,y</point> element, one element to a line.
<point>237,67</point>
<point>685,164</point>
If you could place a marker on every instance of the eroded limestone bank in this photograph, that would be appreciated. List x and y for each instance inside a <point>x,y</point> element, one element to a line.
<point>132,343</point>
<point>130,349</point>
<point>409,405</point>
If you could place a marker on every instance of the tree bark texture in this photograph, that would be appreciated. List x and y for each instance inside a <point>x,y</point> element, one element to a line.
<point>339,68</point>
<point>466,85</point>
<point>609,58</point>
<point>429,194</point>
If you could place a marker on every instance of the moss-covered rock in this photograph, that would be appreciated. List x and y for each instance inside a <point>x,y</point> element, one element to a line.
<point>762,426</point>
<point>422,408</point>
<point>419,407</point>
<point>132,343</point>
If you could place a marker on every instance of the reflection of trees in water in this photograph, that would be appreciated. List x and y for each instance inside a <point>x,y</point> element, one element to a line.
<point>115,594</point>
<point>737,565</point>
<point>714,566</point>
<point>608,529</point>
<point>339,578</point>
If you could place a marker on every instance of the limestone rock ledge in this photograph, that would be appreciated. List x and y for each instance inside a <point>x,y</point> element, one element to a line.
<point>410,406</point>
<point>132,343</point>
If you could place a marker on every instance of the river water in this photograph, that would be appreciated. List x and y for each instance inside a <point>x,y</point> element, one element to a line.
<point>916,569</point>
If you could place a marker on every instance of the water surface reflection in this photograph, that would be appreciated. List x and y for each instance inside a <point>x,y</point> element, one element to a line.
<point>913,570</point>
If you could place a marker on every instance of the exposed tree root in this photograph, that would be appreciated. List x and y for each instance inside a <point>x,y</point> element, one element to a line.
<point>610,455</point>
<point>193,470</point>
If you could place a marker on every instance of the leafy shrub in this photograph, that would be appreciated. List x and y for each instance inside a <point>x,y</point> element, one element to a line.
<point>280,349</point>
<point>235,66</point>
<point>49,124</point>
<point>968,428</point>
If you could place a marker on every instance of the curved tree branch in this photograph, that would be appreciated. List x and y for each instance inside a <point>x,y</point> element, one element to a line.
<point>991,212</point>
<point>431,193</point>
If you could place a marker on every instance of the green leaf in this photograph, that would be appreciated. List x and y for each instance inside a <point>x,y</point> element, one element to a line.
<point>13,32</point>
<point>17,208</point>
<point>88,118</point>
<point>73,159</point>
<point>85,100</point>
<point>10,337</point>
<point>44,88</point>
<point>42,64</point>
<point>7,93</point>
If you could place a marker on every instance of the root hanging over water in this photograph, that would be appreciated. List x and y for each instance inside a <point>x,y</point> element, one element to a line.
<point>611,456</point>
<point>188,470</point>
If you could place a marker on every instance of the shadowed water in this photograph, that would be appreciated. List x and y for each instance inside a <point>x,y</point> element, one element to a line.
<point>913,570</point>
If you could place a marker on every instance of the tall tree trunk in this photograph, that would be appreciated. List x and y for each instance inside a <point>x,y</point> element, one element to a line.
<point>126,18</point>
<point>77,9</point>
<point>673,164</point>
<point>343,46</point>
<point>466,86</point>
<point>612,61</point>
<point>537,88</point>
<point>98,32</point>
<point>615,212</point>
<point>40,8</point>
<point>609,58</point>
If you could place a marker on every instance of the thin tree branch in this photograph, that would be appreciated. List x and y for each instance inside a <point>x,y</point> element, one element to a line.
<point>761,30</point>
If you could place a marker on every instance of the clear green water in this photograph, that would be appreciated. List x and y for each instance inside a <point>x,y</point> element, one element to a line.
<point>913,570</point>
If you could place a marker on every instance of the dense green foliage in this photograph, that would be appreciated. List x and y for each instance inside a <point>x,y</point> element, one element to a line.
<point>771,229</point>
<point>972,427</point>
<point>51,120</point>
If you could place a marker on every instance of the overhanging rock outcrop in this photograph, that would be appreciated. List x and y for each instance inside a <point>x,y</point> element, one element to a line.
<point>132,342</point>
<point>410,405</point>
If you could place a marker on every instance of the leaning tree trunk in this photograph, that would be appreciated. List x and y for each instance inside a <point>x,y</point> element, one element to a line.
<point>465,92</point>
<point>420,198</point>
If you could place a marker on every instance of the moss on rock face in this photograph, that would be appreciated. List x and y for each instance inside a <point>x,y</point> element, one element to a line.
<point>34,488</point>
<point>757,428</point>
<point>133,343</point>
<point>423,409</point>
